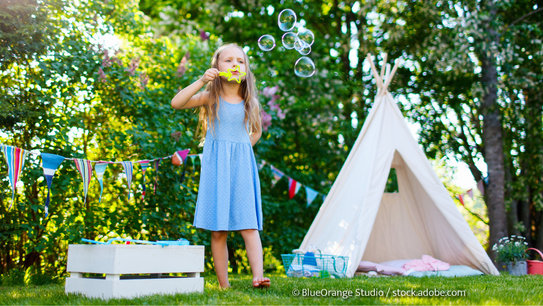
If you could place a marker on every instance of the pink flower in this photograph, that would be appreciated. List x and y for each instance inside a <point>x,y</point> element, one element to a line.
<point>266,120</point>
<point>203,35</point>
<point>270,91</point>
<point>280,114</point>
<point>102,75</point>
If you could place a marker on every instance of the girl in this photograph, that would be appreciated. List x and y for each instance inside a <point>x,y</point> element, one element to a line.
<point>229,192</point>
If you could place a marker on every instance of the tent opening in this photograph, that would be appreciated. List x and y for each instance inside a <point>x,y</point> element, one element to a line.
<point>392,181</point>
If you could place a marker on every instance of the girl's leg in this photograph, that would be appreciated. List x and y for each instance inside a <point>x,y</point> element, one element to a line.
<point>254,253</point>
<point>219,250</point>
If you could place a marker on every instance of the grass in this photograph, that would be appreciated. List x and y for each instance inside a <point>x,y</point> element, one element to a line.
<point>489,290</point>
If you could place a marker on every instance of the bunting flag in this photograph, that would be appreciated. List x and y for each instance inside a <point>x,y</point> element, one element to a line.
<point>193,157</point>
<point>201,157</point>
<point>470,193</point>
<point>157,161</point>
<point>310,195</point>
<point>15,158</point>
<point>277,175</point>
<point>50,164</point>
<point>293,187</point>
<point>179,157</point>
<point>144,165</point>
<point>461,199</point>
<point>99,170</point>
<point>128,171</point>
<point>85,169</point>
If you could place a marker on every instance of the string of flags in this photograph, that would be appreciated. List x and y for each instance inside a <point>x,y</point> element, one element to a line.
<point>293,185</point>
<point>469,193</point>
<point>15,158</point>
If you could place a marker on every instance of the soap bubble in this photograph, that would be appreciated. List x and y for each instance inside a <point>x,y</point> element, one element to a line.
<point>288,40</point>
<point>304,67</point>
<point>266,42</point>
<point>302,47</point>
<point>306,36</point>
<point>286,20</point>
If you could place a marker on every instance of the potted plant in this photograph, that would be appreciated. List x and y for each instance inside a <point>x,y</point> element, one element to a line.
<point>512,252</point>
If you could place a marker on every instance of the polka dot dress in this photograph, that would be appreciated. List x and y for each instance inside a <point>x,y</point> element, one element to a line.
<point>229,192</point>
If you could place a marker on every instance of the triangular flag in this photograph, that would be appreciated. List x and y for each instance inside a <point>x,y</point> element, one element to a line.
<point>100,169</point>
<point>85,169</point>
<point>50,164</point>
<point>179,157</point>
<point>310,194</point>
<point>144,165</point>
<point>201,157</point>
<point>470,193</point>
<point>293,187</point>
<point>277,175</point>
<point>193,157</point>
<point>128,171</point>
<point>461,199</point>
<point>157,161</point>
<point>15,158</point>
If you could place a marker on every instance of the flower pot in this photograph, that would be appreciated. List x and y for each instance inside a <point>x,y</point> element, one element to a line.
<point>517,268</point>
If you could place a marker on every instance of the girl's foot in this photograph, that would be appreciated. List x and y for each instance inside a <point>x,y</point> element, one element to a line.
<point>261,283</point>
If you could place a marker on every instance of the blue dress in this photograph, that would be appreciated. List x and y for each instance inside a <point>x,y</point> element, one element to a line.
<point>229,192</point>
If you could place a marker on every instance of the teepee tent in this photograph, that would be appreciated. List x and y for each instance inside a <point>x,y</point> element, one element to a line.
<point>358,219</point>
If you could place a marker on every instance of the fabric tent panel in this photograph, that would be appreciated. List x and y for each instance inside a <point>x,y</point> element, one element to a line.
<point>395,234</point>
<point>454,241</point>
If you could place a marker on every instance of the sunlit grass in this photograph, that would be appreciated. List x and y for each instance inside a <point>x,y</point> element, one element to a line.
<point>480,290</point>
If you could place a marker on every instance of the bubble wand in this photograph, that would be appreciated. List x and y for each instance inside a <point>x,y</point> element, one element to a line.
<point>230,76</point>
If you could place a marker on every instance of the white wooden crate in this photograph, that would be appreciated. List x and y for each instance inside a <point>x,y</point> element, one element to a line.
<point>127,268</point>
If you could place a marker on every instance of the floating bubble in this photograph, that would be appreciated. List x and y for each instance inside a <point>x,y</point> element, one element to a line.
<point>302,47</point>
<point>306,36</point>
<point>286,20</point>
<point>266,42</point>
<point>304,67</point>
<point>288,40</point>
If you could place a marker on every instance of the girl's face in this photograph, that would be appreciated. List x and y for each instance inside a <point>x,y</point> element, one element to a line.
<point>230,58</point>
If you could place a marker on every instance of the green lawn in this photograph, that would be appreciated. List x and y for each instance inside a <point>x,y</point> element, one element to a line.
<point>492,290</point>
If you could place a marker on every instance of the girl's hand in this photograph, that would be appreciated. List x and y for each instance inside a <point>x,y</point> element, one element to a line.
<point>210,75</point>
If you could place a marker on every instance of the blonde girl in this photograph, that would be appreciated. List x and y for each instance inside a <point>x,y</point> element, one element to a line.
<point>229,191</point>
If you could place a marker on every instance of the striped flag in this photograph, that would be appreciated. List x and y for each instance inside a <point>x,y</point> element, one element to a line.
<point>157,161</point>
<point>179,157</point>
<point>15,158</point>
<point>100,169</point>
<point>128,171</point>
<point>85,169</point>
<point>144,165</point>
<point>50,164</point>
<point>293,187</point>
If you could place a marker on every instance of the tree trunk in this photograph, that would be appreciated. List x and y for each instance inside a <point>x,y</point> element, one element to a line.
<point>492,134</point>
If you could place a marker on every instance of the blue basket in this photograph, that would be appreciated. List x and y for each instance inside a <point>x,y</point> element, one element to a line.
<point>315,265</point>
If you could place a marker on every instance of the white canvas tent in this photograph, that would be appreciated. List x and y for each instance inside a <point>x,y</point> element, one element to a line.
<point>358,219</point>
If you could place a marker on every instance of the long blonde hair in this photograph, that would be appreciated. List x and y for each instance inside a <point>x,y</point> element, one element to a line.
<point>209,111</point>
